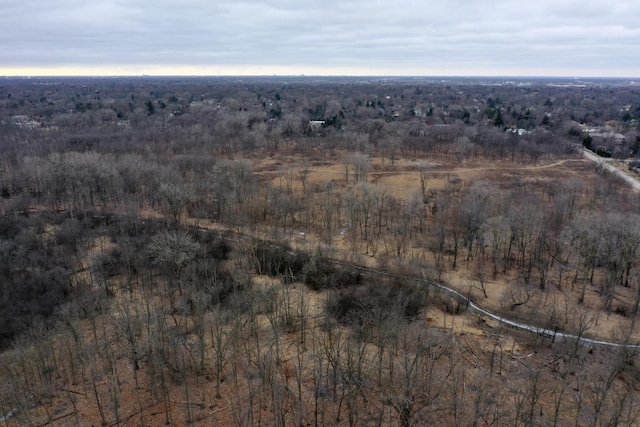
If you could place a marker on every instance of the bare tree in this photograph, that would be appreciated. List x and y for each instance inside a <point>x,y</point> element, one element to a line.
<point>174,197</point>
<point>361,165</point>
<point>475,208</point>
<point>173,252</point>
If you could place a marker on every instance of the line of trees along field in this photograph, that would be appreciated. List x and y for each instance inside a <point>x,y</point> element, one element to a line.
<point>116,309</point>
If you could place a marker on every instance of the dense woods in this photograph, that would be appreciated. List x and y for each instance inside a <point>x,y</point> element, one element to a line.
<point>248,251</point>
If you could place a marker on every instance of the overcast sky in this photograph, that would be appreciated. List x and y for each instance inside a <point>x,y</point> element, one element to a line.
<point>343,37</point>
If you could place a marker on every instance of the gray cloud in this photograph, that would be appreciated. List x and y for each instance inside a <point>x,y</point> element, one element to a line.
<point>411,37</point>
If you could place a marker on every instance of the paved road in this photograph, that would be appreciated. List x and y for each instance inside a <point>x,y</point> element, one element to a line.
<point>607,165</point>
<point>555,335</point>
<point>8,415</point>
<point>472,306</point>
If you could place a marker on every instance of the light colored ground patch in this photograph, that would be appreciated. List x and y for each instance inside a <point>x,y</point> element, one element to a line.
<point>402,179</point>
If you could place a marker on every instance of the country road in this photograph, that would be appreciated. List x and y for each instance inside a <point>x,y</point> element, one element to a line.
<point>635,184</point>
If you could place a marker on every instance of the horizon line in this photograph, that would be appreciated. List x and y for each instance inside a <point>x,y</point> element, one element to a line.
<point>459,76</point>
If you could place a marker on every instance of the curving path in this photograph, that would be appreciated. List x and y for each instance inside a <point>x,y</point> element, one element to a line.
<point>8,415</point>
<point>471,305</point>
<point>526,327</point>
<point>555,335</point>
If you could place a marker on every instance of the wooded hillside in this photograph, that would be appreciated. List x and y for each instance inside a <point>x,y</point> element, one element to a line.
<point>220,251</point>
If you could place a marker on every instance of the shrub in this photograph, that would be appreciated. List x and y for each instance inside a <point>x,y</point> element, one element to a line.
<point>279,261</point>
<point>322,274</point>
<point>357,305</point>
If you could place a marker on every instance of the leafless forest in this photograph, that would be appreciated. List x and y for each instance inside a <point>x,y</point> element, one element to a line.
<point>267,251</point>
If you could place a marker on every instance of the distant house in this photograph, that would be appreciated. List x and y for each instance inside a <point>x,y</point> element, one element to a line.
<point>518,131</point>
<point>604,132</point>
<point>315,125</point>
<point>24,122</point>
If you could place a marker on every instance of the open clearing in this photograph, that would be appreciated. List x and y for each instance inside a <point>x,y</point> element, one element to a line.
<point>401,178</point>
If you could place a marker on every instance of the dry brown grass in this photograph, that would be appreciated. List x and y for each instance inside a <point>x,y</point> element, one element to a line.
<point>401,179</point>
<point>479,337</point>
